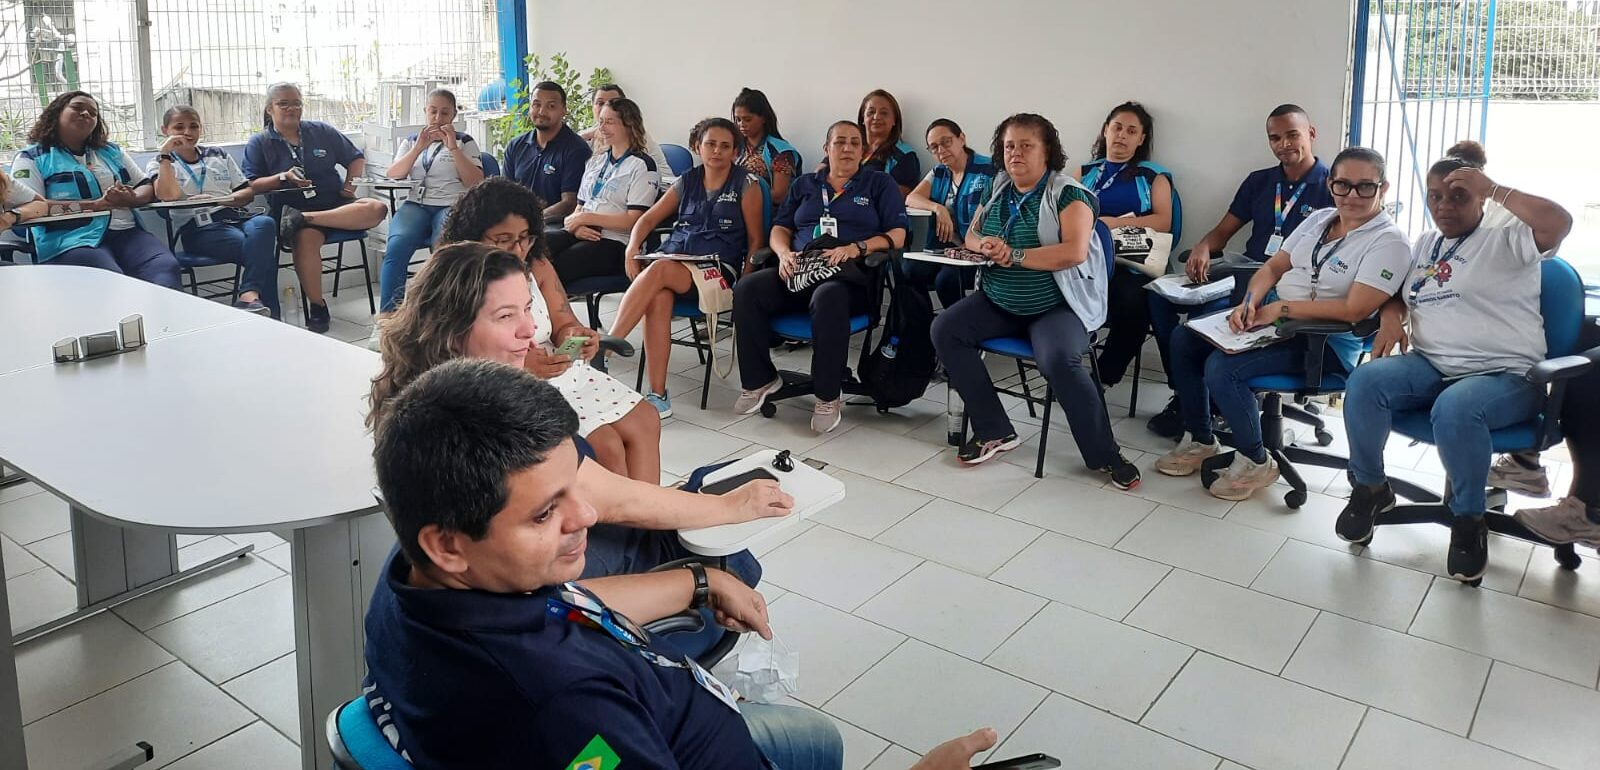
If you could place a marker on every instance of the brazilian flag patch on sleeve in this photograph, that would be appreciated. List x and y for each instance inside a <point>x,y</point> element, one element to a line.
<point>597,755</point>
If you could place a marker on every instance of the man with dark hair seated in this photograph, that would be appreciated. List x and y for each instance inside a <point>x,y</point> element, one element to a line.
<point>484,652</point>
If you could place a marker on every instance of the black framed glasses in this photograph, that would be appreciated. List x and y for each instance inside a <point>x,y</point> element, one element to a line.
<point>1361,189</point>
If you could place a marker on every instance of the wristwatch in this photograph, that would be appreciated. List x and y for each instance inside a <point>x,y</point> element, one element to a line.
<point>702,586</point>
<point>283,178</point>
<point>861,248</point>
<point>166,156</point>
<point>1017,256</point>
<point>16,216</point>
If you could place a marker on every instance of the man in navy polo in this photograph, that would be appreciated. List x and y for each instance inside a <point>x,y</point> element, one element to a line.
<point>1273,201</point>
<point>549,159</point>
<point>484,652</point>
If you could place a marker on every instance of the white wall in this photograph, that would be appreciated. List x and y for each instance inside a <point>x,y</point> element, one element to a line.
<point>1208,71</point>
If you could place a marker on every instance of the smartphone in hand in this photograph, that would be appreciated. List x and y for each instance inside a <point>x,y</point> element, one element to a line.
<point>572,346</point>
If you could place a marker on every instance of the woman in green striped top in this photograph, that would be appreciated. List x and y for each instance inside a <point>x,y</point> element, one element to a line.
<point>1041,286</point>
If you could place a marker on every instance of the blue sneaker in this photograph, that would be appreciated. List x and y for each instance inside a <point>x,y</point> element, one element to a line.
<point>662,404</point>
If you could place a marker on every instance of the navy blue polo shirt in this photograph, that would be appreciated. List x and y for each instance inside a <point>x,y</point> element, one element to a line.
<point>1254,203</point>
<point>484,680</point>
<point>870,204</point>
<point>551,170</point>
<point>322,149</point>
<point>902,164</point>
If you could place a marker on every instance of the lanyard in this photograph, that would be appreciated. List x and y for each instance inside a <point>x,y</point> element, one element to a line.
<point>1435,265</point>
<point>198,179</point>
<point>294,153</point>
<point>429,157</point>
<point>1316,264</point>
<point>828,196</point>
<point>574,606</point>
<point>1016,201</point>
<point>606,173</point>
<point>1280,210</point>
<point>1108,177</point>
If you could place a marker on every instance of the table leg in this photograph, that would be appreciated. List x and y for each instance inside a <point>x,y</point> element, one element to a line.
<point>13,754</point>
<point>335,567</point>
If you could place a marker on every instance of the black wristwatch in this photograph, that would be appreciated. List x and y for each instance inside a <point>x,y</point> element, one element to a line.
<point>16,216</point>
<point>861,248</point>
<point>702,586</point>
<point>166,156</point>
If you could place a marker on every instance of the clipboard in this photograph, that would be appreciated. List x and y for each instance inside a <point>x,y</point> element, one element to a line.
<point>1215,330</point>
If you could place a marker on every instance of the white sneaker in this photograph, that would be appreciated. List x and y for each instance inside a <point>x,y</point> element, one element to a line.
<point>1187,457</point>
<point>1509,474</point>
<point>1565,522</point>
<point>826,415</point>
<point>1244,477</point>
<point>374,342</point>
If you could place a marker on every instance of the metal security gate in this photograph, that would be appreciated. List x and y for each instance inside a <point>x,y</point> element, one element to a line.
<point>1420,82</point>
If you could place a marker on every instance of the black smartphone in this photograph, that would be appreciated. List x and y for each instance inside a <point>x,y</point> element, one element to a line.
<point>731,483</point>
<point>1029,762</point>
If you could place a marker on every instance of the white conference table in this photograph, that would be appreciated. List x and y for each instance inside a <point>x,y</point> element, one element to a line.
<point>224,422</point>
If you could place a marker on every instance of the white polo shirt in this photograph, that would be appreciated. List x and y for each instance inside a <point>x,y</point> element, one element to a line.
<point>436,169</point>
<point>615,187</point>
<point>1374,254</point>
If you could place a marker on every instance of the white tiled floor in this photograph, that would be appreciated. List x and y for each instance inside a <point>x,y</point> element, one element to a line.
<point>1159,628</point>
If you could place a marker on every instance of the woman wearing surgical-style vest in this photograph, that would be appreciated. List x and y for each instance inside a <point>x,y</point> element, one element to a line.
<point>618,186</point>
<point>299,160</point>
<point>762,150</point>
<point>953,191</point>
<point>72,164</point>
<point>443,162</point>
<point>1045,283</point>
<point>718,210</point>
<point>1133,192</point>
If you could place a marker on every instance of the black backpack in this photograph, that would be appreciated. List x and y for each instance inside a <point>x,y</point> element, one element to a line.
<point>900,367</point>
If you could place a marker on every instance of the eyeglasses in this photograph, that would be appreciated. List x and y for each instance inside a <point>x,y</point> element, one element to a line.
<point>942,144</point>
<point>1362,189</point>
<point>512,242</point>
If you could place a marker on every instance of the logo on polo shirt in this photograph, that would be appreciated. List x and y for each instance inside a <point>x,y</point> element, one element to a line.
<point>862,200</point>
<point>597,755</point>
<point>549,168</point>
<point>1386,274</point>
<point>728,197</point>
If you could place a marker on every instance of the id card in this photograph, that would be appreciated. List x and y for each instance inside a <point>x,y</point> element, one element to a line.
<point>828,226</point>
<point>309,193</point>
<point>1274,245</point>
<point>713,685</point>
<point>202,218</point>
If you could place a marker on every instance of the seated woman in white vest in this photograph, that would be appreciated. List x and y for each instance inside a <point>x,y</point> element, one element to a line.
<point>618,186</point>
<point>71,163</point>
<point>1046,282</point>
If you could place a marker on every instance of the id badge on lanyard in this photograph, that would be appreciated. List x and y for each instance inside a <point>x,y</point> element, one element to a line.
<point>1316,251</point>
<point>1280,213</point>
<point>300,168</point>
<point>829,224</point>
<point>202,218</point>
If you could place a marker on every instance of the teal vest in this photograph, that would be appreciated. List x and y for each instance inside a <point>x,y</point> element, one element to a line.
<point>65,179</point>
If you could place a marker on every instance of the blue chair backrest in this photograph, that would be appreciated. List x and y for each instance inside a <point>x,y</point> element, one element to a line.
<point>1108,246</point>
<point>1177,213</point>
<point>678,158</point>
<point>1561,303</point>
<point>766,205</point>
<point>491,167</point>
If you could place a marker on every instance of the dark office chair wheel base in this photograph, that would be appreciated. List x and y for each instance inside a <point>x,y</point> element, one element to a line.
<point>769,410</point>
<point>1567,557</point>
<point>1294,498</point>
<point>1324,438</point>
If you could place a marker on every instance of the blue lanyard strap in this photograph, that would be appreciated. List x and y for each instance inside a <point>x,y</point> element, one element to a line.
<point>828,196</point>
<point>431,156</point>
<point>1017,200</point>
<point>198,179</point>
<point>1280,208</point>
<point>575,606</point>
<point>606,173</point>
<point>1433,267</point>
<point>1108,177</point>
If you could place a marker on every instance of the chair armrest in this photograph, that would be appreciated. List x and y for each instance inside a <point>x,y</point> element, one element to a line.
<point>876,258</point>
<point>617,345</point>
<point>1563,368</point>
<point>762,257</point>
<point>1364,328</point>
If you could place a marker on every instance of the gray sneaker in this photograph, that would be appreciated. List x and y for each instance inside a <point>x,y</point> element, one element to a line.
<point>1509,474</point>
<point>751,400</point>
<point>1187,456</point>
<point>1243,478</point>
<point>825,416</point>
<point>1565,522</point>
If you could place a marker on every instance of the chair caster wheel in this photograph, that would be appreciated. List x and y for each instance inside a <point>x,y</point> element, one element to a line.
<point>1324,438</point>
<point>1567,557</point>
<point>769,410</point>
<point>1294,499</point>
<point>1473,583</point>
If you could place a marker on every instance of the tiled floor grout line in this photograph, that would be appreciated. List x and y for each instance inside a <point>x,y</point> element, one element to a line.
<point>1175,674</point>
<point>1478,706</point>
<point>1345,755</point>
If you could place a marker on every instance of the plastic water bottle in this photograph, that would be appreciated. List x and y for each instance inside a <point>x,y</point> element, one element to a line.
<point>890,350</point>
<point>290,304</point>
<point>955,413</point>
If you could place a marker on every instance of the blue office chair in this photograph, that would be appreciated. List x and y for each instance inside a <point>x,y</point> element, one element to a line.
<point>1561,302</point>
<point>698,337</point>
<point>1021,350</point>
<point>491,167</point>
<point>678,158</point>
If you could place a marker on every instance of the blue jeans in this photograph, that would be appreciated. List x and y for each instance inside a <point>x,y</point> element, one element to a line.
<point>412,227</point>
<point>794,738</point>
<point>250,244</point>
<point>1202,375</point>
<point>131,252</point>
<point>1463,413</point>
<point>1164,320</point>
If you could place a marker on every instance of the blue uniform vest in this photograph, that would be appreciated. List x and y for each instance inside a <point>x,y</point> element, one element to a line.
<point>711,224</point>
<point>65,179</point>
<point>973,192</point>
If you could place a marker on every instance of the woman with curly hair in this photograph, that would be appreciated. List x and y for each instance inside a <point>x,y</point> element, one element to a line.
<point>1041,285</point>
<point>625,431</point>
<point>72,162</point>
